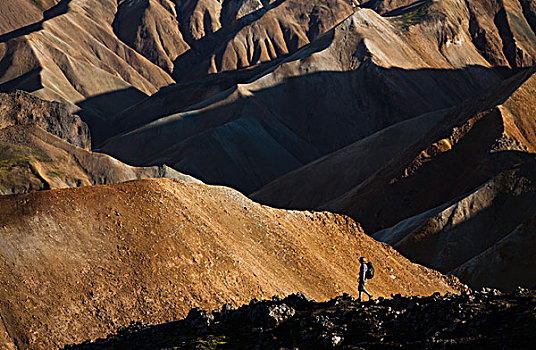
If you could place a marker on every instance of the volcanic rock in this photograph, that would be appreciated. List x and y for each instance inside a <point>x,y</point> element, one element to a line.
<point>480,320</point>
<point>21,108</point>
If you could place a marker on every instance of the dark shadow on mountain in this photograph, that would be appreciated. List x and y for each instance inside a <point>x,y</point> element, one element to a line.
<point>58,10</point>
<point>180,97</point>
<point>160,335</point>
<point>97,111</point>
<point>28,82</point>
<point>251,140</point>
<point>409,188</point>
<point>408,8</point>
<point>376,6</point>
<point>197,91</point>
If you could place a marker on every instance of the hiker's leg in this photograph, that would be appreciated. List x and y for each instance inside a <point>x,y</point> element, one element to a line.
<point>366,291</point>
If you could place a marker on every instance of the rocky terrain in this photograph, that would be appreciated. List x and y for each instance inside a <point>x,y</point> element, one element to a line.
<point>485,319</point>
<point>20,108</point>
<point>77,263</point>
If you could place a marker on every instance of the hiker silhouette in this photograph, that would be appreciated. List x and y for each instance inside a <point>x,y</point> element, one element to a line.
<point>366,271</point>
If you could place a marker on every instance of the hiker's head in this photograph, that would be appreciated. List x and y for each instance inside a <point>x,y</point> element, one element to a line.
<point>363,259</point>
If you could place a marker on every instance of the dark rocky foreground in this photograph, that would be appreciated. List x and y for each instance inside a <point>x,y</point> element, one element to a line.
<point>486,319</point>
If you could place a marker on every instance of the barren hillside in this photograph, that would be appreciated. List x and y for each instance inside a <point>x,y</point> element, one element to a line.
<point>150,250</point>
<point>18,13</point>
<point>335,174</point>
<point>104,56</point>
<point>410,144</point>
<point>459,190</point>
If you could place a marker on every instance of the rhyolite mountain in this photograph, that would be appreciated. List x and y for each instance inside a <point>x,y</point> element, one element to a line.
<point>365,74</point>
<point>106,55</point>
<point>414,118</point>
<point>241,92</point>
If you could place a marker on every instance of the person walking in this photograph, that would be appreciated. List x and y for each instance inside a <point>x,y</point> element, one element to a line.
<point>363,278</point>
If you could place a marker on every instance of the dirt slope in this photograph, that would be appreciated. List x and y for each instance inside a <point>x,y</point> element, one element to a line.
<point>152,249</point>
<point>465,232</point>
<point>18,13</point>
<point>152,29</point>
<point>195,38</point>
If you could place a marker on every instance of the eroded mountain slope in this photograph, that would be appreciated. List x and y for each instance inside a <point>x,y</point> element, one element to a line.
<point>313,186</point>
<point>465,231</point>
<point>44,146</point>
<point>21,108</point>
<point>150,250</point>
<point>240,34</point>
<point>117,53</point>
<point>364,75</point>
<point>32,159</point>
<point>72,55</point>
<point>515,249</point>
<point>331,176</point>
<point>18,13</point>
<point>104,56</point>
<point>468,147</point>
<point>195,38</point>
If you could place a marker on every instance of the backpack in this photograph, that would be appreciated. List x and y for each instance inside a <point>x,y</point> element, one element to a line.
<point>370,270</point>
